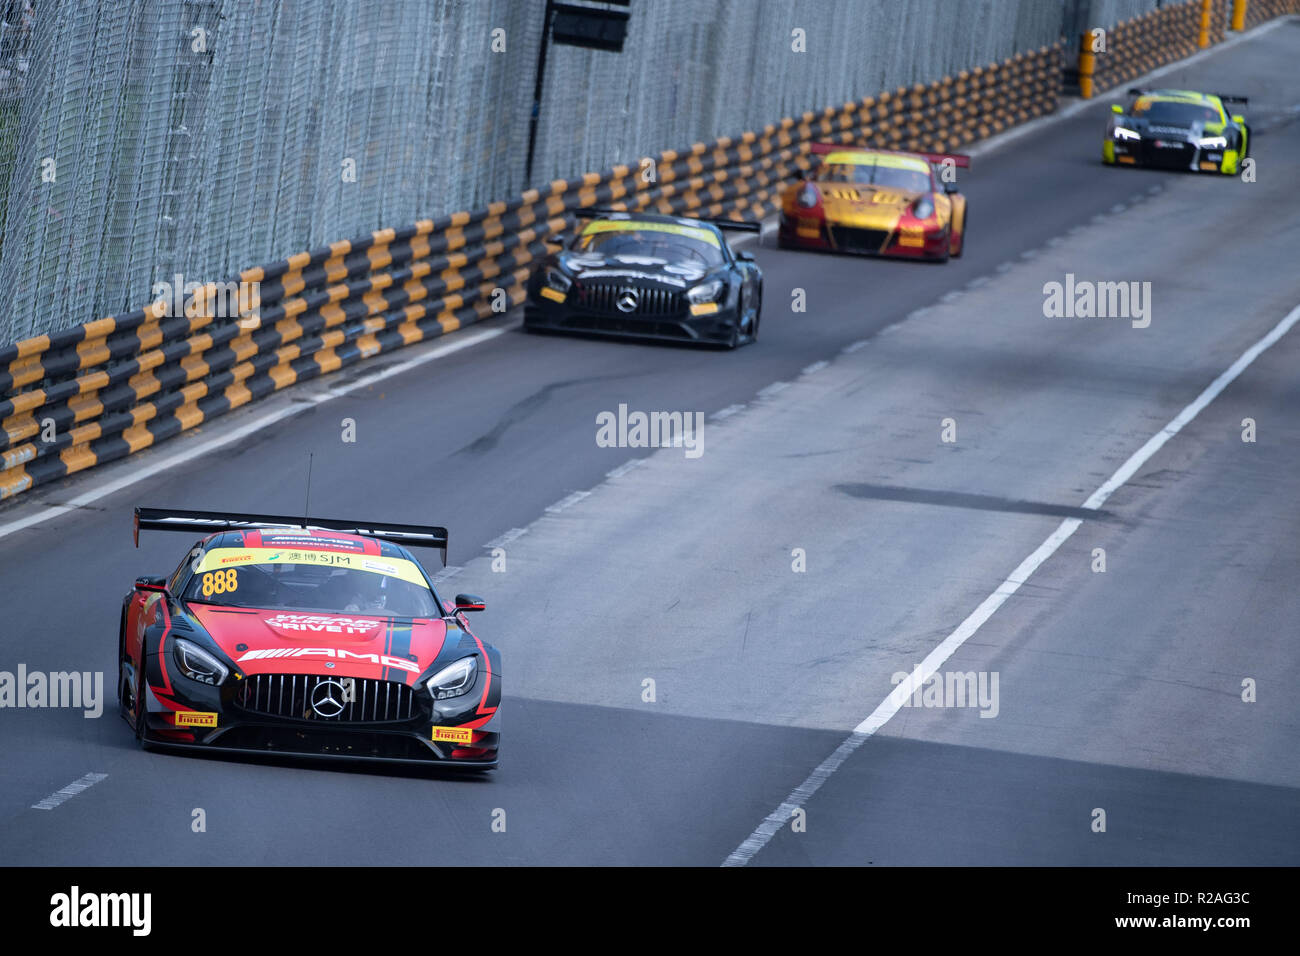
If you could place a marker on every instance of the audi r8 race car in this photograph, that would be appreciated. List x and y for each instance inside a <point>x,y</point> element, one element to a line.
<point>1177,129</point>
<point>306,636</point>
<point>876,202</point>
<point>642,275</point>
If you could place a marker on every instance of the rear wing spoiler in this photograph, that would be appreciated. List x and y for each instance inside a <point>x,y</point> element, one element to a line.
<point>959,160</point>
<point>591,212</point>
<point>1225,97</point>
<point>208,522</point>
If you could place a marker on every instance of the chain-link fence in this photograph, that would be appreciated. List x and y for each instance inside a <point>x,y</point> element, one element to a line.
<point>722,67</point>
<point>144,139</point>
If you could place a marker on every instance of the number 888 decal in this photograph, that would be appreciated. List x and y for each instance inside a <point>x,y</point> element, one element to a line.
<point>220,582</point>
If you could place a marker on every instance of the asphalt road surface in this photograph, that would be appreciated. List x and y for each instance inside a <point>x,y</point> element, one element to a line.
<point>1119,691</point>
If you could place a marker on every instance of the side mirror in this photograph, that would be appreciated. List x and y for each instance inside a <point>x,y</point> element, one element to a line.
<point>1116,108</point>
<point>1238,118</point>
<point>745,256</point>
<point>950,188</point>
<point>469,602</point>
<point>151,582</point>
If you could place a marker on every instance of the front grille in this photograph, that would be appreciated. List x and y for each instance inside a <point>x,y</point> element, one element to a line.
<point>858,240</point>
<point>603,297</point>
<point>1172,157</point>
<point>290,696</point>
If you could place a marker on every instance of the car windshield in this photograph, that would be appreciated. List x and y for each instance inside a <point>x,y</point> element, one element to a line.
<point>1178,114</point>
<point>271,579</point>
<point>870,174</point>
<point>662,241</point>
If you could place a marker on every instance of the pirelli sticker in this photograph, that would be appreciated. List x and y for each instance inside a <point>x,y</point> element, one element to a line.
<point>195,718</point>
<point>455,735</point>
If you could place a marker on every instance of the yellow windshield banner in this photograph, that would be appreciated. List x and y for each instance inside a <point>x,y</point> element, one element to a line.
<point>221,558</point>
<point>632,225</point>
<point>888,160</point>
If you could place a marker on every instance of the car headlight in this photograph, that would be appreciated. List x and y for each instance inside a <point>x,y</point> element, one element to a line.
<point>923,208</point>
<point>557,280</point>
<point>1123,132</point>
<point>454,679</point>
<point>808,196</point>
<point>1212,142</point>
<point>197,664</point>
<point>709,291</point>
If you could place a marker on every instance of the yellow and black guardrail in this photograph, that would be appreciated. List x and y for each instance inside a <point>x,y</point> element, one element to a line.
<point>1251,13</point>
<point>107,389</point>
<point>1137,46</point>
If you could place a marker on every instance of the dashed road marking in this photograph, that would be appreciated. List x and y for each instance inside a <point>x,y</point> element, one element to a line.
<point>501,540</point>
<point>70,791</point>
<point>567,502</point>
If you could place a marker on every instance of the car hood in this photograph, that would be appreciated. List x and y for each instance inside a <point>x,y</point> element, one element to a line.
<point>1173,131</point>
<point>638,269</point>
<point>864,206</point>
<point>310,642</point>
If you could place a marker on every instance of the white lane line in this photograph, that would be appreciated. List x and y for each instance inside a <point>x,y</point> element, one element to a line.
<point>624,468</point>
<point>566,502</point>
<point>950,297</point>
<point>450,571</point>
<point>1118,208</point>
<point>979,282</point>
<point>779,817</point>
<point>500,541</point>
<point>149,469</point>
<point>815,367</point>
<point>773,389</point>
<point>859,344</point>
<point>1005,267</point>
<point>724,413</point>
<point>70,791</point>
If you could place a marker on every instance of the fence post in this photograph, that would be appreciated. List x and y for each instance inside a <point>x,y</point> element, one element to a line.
<point>1239,14</point>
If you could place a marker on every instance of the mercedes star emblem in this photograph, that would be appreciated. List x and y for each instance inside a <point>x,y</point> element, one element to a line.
<point>627,300</point>
<point>327,698</point>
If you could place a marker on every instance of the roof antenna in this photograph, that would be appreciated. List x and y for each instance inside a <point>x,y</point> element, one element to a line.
<point>306,505</point>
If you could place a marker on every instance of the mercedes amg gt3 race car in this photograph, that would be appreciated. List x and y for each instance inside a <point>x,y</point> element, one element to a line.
<point>876,202</point>
<point>306,636</point>
<point>1177,129</point>
<point>641,275</point>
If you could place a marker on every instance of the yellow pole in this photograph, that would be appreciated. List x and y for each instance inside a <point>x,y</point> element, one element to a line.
<point>1204,39</point>
<point>1087,63</point>
<point>1239,14</point>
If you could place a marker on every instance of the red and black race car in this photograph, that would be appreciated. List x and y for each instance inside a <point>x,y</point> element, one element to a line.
<point>306,636</point>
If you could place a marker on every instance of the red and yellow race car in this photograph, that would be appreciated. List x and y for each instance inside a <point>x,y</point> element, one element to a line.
<point>877,202</point>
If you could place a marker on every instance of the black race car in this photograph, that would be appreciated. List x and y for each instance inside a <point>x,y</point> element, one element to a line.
<point>1177,129</point>
<point>641,275</point>
<point>306,636</point>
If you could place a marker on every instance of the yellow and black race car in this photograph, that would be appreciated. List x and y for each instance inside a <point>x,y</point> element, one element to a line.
<point>876,202</point>
<point>1177,129</point>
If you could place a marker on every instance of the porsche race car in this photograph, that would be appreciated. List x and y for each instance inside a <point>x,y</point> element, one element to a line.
<point>1177,129</point>
<point>876,202</point>
<point>643,275</point>
<point>306,636</point>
